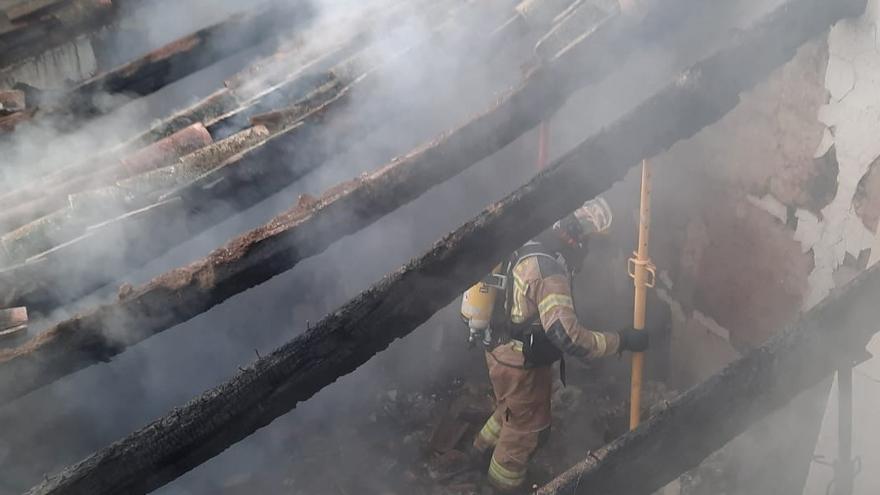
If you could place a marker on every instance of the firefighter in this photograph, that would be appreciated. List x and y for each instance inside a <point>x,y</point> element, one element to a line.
<point>532,330</point>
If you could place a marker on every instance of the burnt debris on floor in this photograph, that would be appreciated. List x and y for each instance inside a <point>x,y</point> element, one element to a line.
<point>410,441</point>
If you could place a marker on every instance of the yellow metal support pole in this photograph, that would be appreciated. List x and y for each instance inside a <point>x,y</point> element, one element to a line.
<point>642,271</point>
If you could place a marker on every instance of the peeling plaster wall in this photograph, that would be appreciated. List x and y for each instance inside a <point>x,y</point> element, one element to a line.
<point>731,271</point>
<point>852,120</point>
<point>782,221</point>
<point>787,210</point>
<point>737,254</point>
<point>726,215</point>
<point>725,203</point>
<point>847,229</point>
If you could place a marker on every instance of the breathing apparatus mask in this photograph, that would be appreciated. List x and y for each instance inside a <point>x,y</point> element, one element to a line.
<point>573,232</point>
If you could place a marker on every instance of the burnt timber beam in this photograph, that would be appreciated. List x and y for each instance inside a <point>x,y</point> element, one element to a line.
<point>246,91</point>
<point>79,231</point>
<point>708,416</point>
<point>300,232</point>
<point>281,244</point>
<point>279,77</point>
<point>173,61</point>
<point>241,98</point>
<point>100,162</point>
<point>395,306</point>
<point>71,228</point>
<point>259,171</point>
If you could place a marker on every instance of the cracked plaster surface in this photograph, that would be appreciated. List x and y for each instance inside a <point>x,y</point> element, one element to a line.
<point>852,118</point>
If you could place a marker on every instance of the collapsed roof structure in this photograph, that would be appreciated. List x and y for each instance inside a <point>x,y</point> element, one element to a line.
<point>263,130</point>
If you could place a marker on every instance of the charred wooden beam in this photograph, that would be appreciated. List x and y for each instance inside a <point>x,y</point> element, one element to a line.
<point>280,78</point>
<point>239,183</point>
<point>541,93</point>
<point>258,86</point>
<point>62,216</point>
<point>401,301</point>
<point>301,143</point>
<point>210,111</point>
<point>225,105</point>
<point>205,113</point>
<point>174,61</point>
<point>268,91</point>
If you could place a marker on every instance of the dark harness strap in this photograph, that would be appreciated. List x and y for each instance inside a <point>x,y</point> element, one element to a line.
<point>525,332</point>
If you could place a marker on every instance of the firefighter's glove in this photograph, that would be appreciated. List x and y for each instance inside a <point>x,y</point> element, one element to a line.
<point>633,340</point>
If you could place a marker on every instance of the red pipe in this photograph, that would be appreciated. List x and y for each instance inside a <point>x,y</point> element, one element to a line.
<point>543,145</point>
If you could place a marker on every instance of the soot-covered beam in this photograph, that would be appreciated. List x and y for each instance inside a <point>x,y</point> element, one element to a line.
<point>172,62</point>
<point>303,231</point>
<point>297,144</point>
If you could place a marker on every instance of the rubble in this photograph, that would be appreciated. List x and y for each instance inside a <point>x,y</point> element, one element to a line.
<point>712,476</point>
<point>403,433</point>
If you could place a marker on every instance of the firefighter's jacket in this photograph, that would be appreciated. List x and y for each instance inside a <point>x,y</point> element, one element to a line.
<point>542,289</point>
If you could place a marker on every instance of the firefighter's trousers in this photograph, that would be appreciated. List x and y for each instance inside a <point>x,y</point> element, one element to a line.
<point>521,420</point>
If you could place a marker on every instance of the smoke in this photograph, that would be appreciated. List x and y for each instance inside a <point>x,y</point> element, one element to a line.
<point>407,106</point>
<point>403,107</point>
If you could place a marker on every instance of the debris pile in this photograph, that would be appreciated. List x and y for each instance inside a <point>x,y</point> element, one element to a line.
<point>411,441</point>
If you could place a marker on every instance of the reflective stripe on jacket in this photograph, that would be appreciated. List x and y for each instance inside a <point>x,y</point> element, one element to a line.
<point>542,287</point>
